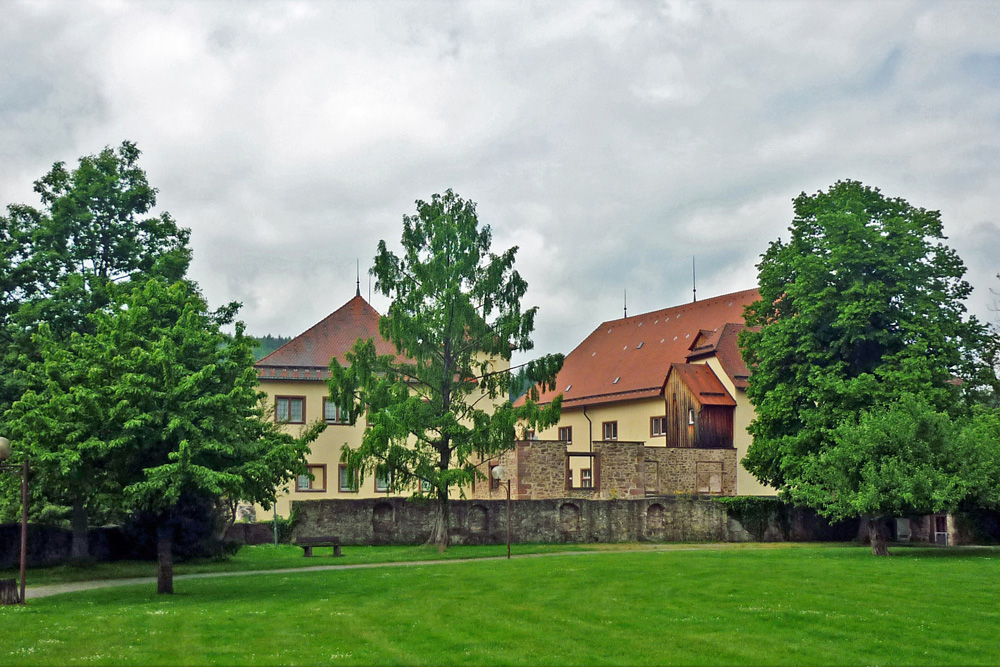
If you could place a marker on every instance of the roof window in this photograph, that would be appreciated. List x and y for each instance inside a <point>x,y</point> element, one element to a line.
<point>617,379</point>
<point>639,346</point>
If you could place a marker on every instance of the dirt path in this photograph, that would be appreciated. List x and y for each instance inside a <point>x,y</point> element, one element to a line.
<point>34,592</point>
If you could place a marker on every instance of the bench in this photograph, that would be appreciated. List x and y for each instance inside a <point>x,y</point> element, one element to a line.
<point>307,544</point>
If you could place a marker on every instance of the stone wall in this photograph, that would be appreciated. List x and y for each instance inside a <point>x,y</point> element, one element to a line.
<point>538,470</point>
<point>48,545</point>
<point>677,468</point>
<point>656,519</point>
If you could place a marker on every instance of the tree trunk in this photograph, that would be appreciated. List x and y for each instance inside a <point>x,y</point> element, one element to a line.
<point>876,535</point>
<point>439,530</point>
<point>165,561</point>
<point>79,522</point>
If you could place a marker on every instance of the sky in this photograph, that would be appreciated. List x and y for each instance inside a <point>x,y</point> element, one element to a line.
<point>610,141</point>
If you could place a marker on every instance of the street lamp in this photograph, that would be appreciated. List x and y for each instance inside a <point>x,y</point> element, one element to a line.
<point>23,469</point>
<point>498,473</point>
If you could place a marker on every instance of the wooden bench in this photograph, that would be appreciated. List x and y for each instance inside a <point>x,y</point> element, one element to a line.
<point>307,544</point>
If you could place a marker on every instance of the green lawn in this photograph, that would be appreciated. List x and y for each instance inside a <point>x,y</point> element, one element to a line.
<point>810,605</point>
<point>268,557</point>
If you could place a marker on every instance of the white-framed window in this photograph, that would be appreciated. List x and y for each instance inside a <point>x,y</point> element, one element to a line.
<point>657,426</point>
<point>586,478</point>
<point>566,433</point>
<point>318,481</point>
<point>290,409</point>
<point>348,482</point>
<point>333,413</point>
<point>610,430</point>
<point>383,483</point>
<point>690,416</point>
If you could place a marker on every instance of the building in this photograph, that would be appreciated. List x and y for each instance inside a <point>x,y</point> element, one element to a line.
<point>671,385</point>
<point>294,378</point>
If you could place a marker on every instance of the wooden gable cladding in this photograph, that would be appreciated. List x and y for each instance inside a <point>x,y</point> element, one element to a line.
<point>699,409</point>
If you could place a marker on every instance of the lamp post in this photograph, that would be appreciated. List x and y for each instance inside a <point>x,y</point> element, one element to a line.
<point>498,473</point>
<point>23,469</point>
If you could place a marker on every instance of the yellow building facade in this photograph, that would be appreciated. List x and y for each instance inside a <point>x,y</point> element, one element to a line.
<point>294,380</point>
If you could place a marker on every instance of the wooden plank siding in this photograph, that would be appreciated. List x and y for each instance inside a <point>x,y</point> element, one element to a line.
<point>713,424</point>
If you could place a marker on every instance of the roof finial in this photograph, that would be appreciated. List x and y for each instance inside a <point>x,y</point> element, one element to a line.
<point>359,278</point>
<point>694,282</point>
<point>626,301</point>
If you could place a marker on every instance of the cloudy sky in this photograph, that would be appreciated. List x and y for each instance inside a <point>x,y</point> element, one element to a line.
<point>610,141</point>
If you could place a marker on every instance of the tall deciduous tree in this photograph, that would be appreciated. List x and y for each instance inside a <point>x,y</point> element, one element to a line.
<point>158,405</point>
<point>456,312</point>
<point>862,306</point>
<point>61,262</point>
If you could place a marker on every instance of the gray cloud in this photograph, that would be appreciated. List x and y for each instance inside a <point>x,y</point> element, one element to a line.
<point>610,141</point>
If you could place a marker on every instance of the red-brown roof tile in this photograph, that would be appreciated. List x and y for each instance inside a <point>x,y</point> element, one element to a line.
<point>628,358</point>
<point>331,337</point>
<point>723,345</point>
<point>703,383</point>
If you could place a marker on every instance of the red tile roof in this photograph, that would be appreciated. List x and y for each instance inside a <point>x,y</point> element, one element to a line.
<point>703,383</point>
<point>722,343</point>
<point>628,358</point>
<point>308,355</point>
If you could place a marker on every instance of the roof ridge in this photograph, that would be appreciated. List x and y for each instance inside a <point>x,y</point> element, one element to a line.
<point>709,300</point>
<point>295,338</point>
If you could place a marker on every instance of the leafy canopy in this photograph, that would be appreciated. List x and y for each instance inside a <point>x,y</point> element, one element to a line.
<point>95,232</point>
<point>154,404</point>
<point>455,320</point>
<point>861,308</point>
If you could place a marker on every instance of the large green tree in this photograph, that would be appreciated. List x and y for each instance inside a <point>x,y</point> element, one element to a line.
<point>861,306</point>
<point>94,232</point>
<point>455,316</point>
<point>158,406</point>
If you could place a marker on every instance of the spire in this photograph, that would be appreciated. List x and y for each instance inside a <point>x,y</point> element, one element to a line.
<point>625,297</point>
<point>359,279</point>
<point>694,283</point>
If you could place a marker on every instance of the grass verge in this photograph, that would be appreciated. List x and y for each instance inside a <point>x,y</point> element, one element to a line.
<point>741,606</point>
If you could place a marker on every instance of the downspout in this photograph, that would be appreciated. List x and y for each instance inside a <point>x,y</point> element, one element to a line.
<point>590,435</point>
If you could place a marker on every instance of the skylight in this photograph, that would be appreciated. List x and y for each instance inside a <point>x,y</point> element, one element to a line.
<point>617,379</point>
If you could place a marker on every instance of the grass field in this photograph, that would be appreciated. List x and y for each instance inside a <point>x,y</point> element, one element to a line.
<point>809,605</point>
<point>269,557</point>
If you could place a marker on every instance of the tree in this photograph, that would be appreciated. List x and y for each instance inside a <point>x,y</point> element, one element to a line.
<point>61,262</point>
<point>159,407</point>
<point>456,311</point>
<point>862,306</point>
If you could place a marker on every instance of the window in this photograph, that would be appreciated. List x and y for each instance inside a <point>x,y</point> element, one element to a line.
<point>586,479</point>
<point>425,486</point>
<point>318,481</point>
<point>610,430</point>
<point>333,413</point>
<point>290,409</point>
<point>690,416</point>
<point>566,433</point>
<point>383,483</point>
<point>348,482</point>
<point>657,426</point>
